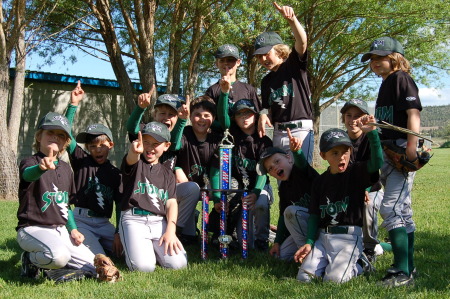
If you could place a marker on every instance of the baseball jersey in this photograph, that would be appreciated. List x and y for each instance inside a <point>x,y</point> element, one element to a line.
<point>238,92</point>
<point>147,186</point>
<point>361,152</point>
<point>98,185</point>
<point>338,199</point>
<point>398,93</point>
<point>246,154</point>
<point>195,157</point>
<point>45,201</point>
<point>286,92</point>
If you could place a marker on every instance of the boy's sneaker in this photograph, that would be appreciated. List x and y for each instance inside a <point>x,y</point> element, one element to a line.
<point>365,264</point>
<point>261,245</point>
<point>396,278</point>
<point>413,273</point>
<point>28,269</point>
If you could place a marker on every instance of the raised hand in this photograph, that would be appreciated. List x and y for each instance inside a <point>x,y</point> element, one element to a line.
<point>225,84</point>
<point>184,110</point>
<point>286,11</point>
<point>145,99</point>
<point>363,123</point>
<point>77,95</point>
<point>294,143</point>
<point>47,163</point>
<point>137,146</point>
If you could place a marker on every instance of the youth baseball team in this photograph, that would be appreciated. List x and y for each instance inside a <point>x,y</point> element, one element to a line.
<point>327,222</point>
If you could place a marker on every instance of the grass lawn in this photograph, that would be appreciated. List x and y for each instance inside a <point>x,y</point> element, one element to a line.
<point>261,276</point>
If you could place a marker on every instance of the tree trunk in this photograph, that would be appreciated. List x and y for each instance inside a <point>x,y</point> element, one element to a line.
<point>194,52</point>
<point>15,115</point>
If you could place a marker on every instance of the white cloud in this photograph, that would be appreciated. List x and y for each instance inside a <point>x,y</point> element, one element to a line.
<point>434,97</point>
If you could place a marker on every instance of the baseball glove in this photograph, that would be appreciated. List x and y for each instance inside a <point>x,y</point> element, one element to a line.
<point>105,268</point>
<point>65,275</point>
<point>397,155</point>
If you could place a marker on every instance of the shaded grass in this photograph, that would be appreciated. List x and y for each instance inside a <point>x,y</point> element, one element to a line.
<point>261,276</point>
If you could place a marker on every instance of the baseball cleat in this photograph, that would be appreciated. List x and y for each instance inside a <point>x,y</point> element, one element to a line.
<point>28,269</point>
<point>396,278</point>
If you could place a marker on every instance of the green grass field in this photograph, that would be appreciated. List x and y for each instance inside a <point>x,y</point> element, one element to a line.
<point>261,276</point>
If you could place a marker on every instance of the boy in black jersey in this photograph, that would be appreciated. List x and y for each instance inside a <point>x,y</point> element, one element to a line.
<point>336,208</point>
<point>97,183</point>
<point>295,176</point>
<point>149,207</point>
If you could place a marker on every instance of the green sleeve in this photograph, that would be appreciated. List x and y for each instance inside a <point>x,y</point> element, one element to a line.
<point>215,183</point>
<point>260,183</point>
<point>222,111</point>
<point>176,134</point>
<point>70,114</point>
<point>32,173</point>
<point>300,159</point>
<point>134,120</point>
<point>282,231</point>
<point>376,153</point>
<point>70,225</point>
<point>313,226</point>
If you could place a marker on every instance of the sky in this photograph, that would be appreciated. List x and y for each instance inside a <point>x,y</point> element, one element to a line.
<point>87,66</point>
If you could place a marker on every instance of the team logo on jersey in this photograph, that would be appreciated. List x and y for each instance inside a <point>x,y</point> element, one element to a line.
<point>196,170</point>
<point>385,113</point>
<point>245,163</point>
<point>101,191</point>
<point>411,99</point>
<point>153,192</point>
<point>303,201</point>
<point>276,96</point>
<point>60,198</point>
<point>333,209</point>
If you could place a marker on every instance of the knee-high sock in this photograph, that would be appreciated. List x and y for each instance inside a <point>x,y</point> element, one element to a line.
<point>399,241</point>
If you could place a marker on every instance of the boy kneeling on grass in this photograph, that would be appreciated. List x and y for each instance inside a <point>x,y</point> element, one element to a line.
<point>336,208</point>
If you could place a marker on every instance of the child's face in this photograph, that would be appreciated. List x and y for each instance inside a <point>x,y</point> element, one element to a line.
<point>228,65</point>
<point>201,120</point>
<point>279,166</point>
<point>350,117</point>
<point>271,61</point>
<point>54,139</point>
<point>166,115</point>
<point>338,157</point>
<point>99,150</point>
<point>153,149</point>
<point>381,65</point>
<point>245,119</point>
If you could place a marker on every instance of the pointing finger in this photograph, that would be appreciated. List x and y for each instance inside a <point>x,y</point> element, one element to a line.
<point>277,6</point>
<point>188,100</point>
<point>50,153</point>
<point>139,138</point>
<point>289,133</point>
<point>152,90</point>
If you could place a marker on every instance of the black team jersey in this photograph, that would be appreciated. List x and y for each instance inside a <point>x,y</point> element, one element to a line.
<point>338,199</point>
<point>397,94</point>
<point>147,186</point>
<point>98,185</point>
<point>195,157</point>
<point>45,201</point>
<point>238,92</point>
<point>286,92</point>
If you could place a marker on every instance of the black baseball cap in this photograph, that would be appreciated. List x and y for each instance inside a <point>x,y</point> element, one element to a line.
<point>332,138</point>
<point>55,121</point>
<point>227,50</point>
<point>96,130</point>
<point>243,104</point>
<point>157,130</point>
<point>173,100</point>
<point>383,46</point>
<point>265,42</point>
<point>268,152</point>
<point>362,105</point>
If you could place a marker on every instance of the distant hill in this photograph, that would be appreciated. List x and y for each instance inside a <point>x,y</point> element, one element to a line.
<point>435,116</point>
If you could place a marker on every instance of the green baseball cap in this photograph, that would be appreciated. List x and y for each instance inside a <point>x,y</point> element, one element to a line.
<point>55,121</point>
<point>227,50</point>
<point>96,130</point>
<point>268,152</point>
<point>332,138</point>
<point>172,100</point>
<point>243,104</point>
<point>157,130</point>
<point>265,42</point>
<point>362,105</point>
<point>382,47</point>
